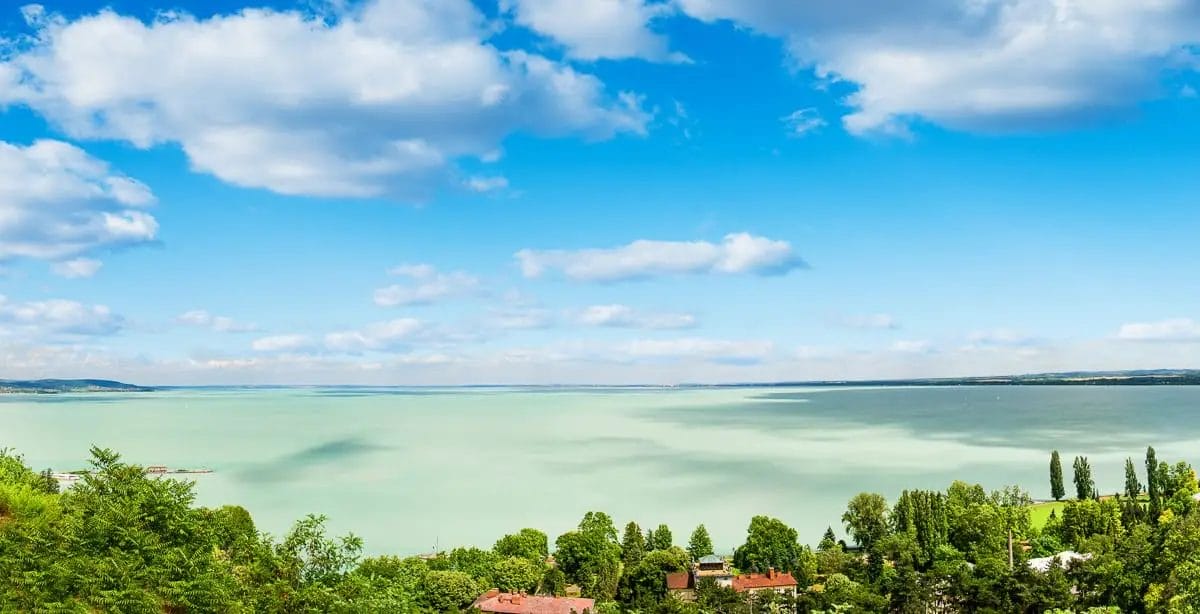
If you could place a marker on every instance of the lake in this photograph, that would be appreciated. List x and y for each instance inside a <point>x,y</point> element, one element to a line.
<point>411,468</point>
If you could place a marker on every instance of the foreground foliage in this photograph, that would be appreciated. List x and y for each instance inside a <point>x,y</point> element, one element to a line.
<point>121,541</point>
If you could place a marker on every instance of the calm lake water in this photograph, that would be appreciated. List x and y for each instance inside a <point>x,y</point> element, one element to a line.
<point>408,468</point>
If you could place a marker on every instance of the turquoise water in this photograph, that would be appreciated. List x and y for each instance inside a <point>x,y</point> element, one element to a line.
<point>408,468</point>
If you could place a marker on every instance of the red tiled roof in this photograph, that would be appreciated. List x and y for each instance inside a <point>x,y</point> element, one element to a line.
<point>514,603</point>
<point>679,581</point>
<point>772,579</point>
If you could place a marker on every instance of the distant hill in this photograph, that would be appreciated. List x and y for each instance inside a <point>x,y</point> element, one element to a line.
<point>1146,377</point>
<point>56,386</point>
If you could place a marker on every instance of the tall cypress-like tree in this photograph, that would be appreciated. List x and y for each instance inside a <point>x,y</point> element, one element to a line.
<point>828,541</point>
<point>660,539</point>
<point>1085,486</point>
<point>1133,488</point>
<point>1152,485</point>
<point>633,545</point>
<point>1056,478</point>
<point>700,545</point>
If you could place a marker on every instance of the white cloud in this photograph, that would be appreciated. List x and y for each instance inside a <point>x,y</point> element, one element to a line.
<point>1173,329</point>
<point>377,100</point>
<point>623,316</point>
<point>912,346</point>
<point>522,318</point>
<point>57,317</point>
<point>427,286</point>
<point>713,350</point>
<point>595,29</point>
<point>57,202</point>
<point>380,336</point>
<point>282,343</point>
<point>1000,336</point>
<point>803,121</point>
<point>76,268</point>
<point>486,184</point>
<point>737,253</point>
<point>979,64</point>
<point>221,324</point>
<point>871,321</point>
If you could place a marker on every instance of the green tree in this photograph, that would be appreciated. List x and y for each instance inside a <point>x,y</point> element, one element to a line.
<point>591,556</point>
<point>517,574</point>
<point>599,523</point>
<point>1133,488</point>
<point>633,545</point>
<point>660,538</point>
<point>866,518</point>
<point>1085,486</point>
<point>700,544</point>
<point>828,540</point>
<point>1152,486</point>
<point>529,544</point>
<point>1056,477</point>
<point>771,543</point>
<point>646,579</point>
<point>450,591</point>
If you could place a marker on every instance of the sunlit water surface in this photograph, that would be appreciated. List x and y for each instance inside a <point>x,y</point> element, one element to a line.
<point>410,468</point>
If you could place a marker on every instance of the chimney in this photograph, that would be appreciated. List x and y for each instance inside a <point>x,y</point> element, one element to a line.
<point>771,572</point>
<point>516,600</point>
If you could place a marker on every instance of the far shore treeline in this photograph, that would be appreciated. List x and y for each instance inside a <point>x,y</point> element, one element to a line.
<point>123,541</point>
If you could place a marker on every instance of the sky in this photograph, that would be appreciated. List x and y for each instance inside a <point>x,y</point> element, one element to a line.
<point>596,191</point>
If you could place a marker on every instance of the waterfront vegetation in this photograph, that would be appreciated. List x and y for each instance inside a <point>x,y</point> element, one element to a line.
<point>122,541</point>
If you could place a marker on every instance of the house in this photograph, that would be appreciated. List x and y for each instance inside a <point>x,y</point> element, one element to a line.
<point>520,603</point>
<point>1062,559</point>
<point>682,585</point>
<point>714,567</point>
<point>774,581</point>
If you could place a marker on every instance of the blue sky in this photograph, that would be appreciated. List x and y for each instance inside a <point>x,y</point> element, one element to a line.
<point>596,191</point>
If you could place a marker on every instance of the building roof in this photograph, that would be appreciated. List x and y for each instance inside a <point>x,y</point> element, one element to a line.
<point>711,559</point>
<point>516,603</point>
<point>679,581</point>
<point>1062,559</point>
<point>771,579</point>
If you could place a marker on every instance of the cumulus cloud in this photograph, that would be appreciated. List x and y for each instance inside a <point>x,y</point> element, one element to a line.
<point>379,99</point>
<point>623,316</point>
<point>912,346</point>
<point>282,343</point>
<point>53,317</point>
<point>483,185</point>
<point>882,321</point>
<point>713,350</point>
<point>221,324</point>
<point>1172,329</point>
<point>595,29</point>
<point>76,268</point>
<point>522,318</point>
<point>1000,337</point>
<point>57,202</point>
<point>979,65</point>
<point>427,285</point>
<point>803,121</point>
<point>380,336</point>
<point>737,253</point>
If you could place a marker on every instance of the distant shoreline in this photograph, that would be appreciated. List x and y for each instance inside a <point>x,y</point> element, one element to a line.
<point>1157,377</point>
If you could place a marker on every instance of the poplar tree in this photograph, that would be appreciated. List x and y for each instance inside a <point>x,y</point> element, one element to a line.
<point>1152,485</point>
<point>660,539</point>
<point>1085,486</point>
<point>700,545</point>
<point>633,546</point>
<point>1056,478</point>
<point>1133,488</point>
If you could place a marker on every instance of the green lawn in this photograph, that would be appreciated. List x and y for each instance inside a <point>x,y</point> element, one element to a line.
<point>1039,513</point>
